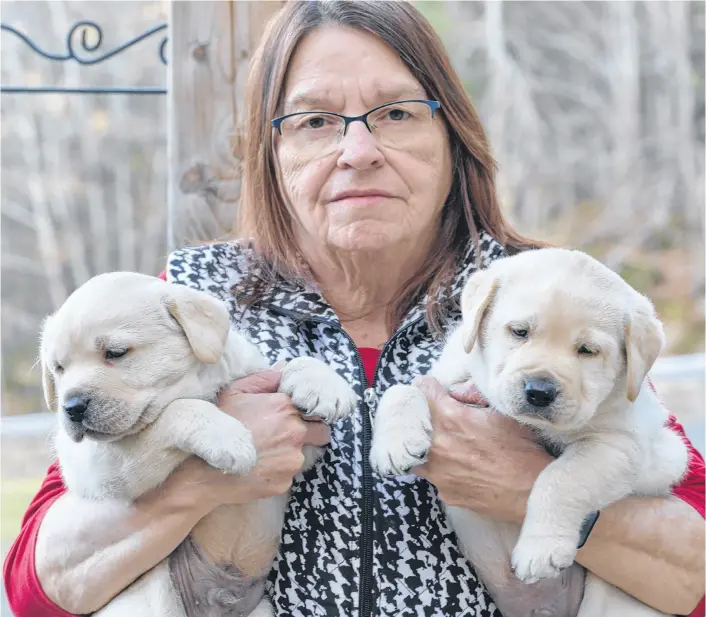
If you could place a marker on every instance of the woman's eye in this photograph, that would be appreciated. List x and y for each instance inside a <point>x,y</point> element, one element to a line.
<point>519,332</point>
<point>114,354</point>
<point>398,114</point>
<point>316,122</point>
<point>310,122</point>
<point>586,351</point>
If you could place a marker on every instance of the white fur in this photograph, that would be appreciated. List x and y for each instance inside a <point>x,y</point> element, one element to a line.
<point>609,425</point>
<point>154,407</point>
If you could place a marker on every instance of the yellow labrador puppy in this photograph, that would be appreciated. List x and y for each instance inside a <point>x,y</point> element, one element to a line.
<point>562,344</point>
<point>133,365</point>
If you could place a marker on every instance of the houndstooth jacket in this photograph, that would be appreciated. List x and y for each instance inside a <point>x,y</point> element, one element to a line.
<point>353,543</point>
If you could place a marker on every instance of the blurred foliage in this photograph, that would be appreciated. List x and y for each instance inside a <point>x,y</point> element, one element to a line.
<point>16,495</point>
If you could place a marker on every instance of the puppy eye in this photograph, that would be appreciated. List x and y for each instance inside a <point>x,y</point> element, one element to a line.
<point>586,351</point>
<point>114,354</point>
<point>58,368</point>
<point>519,332</point>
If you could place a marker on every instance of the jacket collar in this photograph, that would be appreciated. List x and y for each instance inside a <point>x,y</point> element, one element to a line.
<point>305,302</point>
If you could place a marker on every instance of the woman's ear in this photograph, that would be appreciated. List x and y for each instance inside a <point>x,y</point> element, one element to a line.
<point>476,299</point>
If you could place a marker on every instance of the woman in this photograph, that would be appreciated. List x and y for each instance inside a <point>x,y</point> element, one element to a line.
<point>363,232</point>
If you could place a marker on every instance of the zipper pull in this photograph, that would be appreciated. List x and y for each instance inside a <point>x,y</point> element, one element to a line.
<point>370,399</point>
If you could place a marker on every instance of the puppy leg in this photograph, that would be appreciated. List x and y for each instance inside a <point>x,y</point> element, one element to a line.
<point>317,390</point>
<point>401,431</point>
<point>200,428</point>
<point>487,544</point>
<point>588,476</point>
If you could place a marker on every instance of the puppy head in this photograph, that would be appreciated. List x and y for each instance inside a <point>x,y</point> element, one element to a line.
<point>553,335</point>
<point>117,347</point>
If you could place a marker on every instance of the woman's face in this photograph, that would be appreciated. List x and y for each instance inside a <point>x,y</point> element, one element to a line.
<point>349,72</point>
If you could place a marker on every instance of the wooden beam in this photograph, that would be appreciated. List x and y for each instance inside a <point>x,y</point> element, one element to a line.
<point>211,43</point>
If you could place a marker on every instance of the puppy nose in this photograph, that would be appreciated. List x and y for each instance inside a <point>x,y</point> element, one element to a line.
<point>76,408</point>
<point>540,392</point>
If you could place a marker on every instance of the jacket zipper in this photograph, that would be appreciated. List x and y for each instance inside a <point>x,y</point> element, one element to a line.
<point>369,399</point>
<point>366,514</point>
<point>366,540</point>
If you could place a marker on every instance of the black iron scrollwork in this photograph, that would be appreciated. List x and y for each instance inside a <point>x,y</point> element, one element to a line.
<point>78,46</point>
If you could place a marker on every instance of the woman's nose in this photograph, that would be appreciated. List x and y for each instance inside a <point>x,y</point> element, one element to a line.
<point>358,148</point>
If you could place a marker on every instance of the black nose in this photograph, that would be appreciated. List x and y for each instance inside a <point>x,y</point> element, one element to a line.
<point>76,408</point>
<point>540,392</point>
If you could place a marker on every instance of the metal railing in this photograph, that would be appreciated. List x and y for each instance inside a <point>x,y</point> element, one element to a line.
<point>79,47</point>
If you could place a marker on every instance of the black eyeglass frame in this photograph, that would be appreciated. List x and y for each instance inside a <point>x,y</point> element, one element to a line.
<point>277,122</point>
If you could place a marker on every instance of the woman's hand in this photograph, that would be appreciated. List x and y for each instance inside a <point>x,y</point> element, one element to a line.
<point>479,459</point>
<point>279,432</point>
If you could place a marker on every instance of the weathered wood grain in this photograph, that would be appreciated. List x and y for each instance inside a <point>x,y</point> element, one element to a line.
<point>211,45</point>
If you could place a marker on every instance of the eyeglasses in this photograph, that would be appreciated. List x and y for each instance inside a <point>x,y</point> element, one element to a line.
<point>402,124</point>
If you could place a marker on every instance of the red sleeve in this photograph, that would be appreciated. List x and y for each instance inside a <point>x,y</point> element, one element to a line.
<point>24,593</point>
<point>691,488</point>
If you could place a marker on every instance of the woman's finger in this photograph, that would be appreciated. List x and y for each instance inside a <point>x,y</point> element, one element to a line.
<point>466,392</point>
<point>432,389</point>
<point>263,382</point>
<point>317,434</point>
<point>421,471</point>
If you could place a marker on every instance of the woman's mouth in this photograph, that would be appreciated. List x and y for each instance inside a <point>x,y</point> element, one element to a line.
<point>360,197</point>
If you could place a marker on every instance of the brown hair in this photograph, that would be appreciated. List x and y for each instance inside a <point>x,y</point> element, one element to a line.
<point>472,203</point>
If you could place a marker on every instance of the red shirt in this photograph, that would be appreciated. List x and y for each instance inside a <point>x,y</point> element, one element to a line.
<point>27,599</point>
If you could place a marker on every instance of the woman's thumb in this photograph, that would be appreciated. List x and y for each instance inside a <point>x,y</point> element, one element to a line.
<point>263,382</point>
<point>432,389</point>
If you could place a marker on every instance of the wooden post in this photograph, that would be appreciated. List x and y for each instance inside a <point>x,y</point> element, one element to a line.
<point>211,43</point>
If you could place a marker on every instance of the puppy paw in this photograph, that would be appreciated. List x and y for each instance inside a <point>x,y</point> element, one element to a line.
<point>317,390</point>
<point>230,448</point>
<point>396,455</point>
<point>535,558</point>
<point>401,432</point>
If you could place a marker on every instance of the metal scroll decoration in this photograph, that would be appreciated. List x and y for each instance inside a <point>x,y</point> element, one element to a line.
<point>85,52</point>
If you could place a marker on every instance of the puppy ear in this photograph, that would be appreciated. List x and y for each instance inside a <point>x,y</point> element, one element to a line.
<point>475,304</point>
<point>203,318</point>
<point>644,339</point>
<point>47,377</point>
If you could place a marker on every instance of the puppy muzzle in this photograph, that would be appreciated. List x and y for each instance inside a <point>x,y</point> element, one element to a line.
<point>75,430</point>
<point>539,397</point>
<point>74,409</point>
<point>90,415</point>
